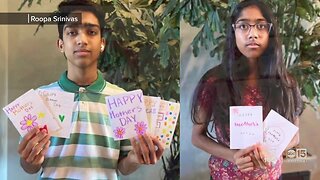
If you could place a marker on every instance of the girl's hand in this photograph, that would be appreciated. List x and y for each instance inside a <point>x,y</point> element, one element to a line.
<point>250,158</point>
<point>259,156</point>
<point>243,160</point>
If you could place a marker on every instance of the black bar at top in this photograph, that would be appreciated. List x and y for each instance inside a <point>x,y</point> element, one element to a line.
<point>37,18</point>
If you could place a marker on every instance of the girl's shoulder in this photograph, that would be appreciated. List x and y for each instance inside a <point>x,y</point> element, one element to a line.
<point>214,75</point>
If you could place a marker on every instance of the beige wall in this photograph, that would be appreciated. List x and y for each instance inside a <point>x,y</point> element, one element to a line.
<point>310,135</point>
<point>193,161</point>
<point>3,90</point>
<point>32,61</point>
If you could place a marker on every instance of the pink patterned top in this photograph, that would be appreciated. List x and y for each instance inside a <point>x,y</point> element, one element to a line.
<point>222,169</point>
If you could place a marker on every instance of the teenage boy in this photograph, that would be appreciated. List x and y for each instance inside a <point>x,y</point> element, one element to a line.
<point>90,152</point>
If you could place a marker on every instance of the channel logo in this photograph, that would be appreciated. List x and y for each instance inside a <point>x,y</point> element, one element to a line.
<point>297,153</point>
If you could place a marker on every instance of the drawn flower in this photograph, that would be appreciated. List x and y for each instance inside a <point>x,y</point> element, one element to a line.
<point>119,132</point>
<point>28,122</point>
<point>140,128</point>
<point>235,111</point>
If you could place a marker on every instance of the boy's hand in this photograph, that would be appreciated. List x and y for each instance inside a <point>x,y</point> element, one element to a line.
<point>146,149</point>
<point>34,146</point>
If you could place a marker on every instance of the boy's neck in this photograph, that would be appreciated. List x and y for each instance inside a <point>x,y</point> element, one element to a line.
<point>83,77</point>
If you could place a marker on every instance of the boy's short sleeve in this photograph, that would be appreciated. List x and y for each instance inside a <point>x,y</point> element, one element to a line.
<point>125,148</point>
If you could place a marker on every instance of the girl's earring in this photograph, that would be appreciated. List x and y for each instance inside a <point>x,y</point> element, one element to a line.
<point>102,48</point>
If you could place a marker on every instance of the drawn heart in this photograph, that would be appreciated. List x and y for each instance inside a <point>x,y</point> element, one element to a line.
<point>61,117</point>
<point>44,128</point>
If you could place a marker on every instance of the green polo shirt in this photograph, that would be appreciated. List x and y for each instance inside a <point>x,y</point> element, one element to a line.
<point>90,152</point>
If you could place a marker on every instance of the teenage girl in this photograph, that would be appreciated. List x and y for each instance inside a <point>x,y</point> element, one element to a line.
<point>252,73</point>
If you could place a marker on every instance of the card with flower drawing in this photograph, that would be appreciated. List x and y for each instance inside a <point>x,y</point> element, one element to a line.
<point>28,111</point>
<point>127,114</point>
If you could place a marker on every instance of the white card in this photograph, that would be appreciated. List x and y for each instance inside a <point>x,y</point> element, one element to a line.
<point>61,105</point>
<point>152,108</point>
<point>278,132</point>
<point>28,111</point>
<point>127,114</point>
<point>167,121</point>
<point>246,126</point>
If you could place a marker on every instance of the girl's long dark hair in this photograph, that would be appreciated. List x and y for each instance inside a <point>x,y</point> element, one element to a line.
<point>221,86</point>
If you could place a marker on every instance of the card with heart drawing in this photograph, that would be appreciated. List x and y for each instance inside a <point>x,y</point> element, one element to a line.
<point>61,105</point>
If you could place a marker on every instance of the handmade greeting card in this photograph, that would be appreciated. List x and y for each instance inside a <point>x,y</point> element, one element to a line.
<point>61,105</point>
<point>246,126</point>
<point>167,121</point>
<point>127,114</point>
<point>29,111</point>
<point>278,132</point>
<point>152,108</point>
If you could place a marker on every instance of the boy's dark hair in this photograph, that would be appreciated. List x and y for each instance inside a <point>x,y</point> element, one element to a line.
<point>68,6</point>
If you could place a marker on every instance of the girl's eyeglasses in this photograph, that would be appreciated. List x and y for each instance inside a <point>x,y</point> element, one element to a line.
<point>244,27</point>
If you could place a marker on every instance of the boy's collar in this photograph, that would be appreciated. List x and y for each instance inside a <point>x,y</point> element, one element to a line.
<point>96,87</point>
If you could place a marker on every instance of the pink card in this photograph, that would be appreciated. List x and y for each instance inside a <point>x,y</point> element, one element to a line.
<point>246,126</point>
